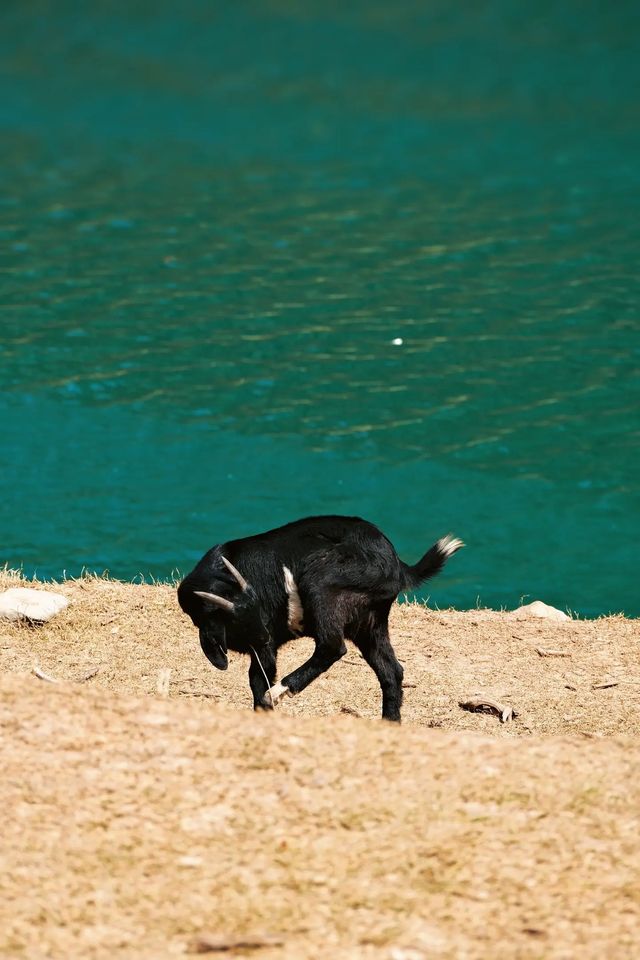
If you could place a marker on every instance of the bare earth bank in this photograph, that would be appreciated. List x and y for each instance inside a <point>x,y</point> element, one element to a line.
<point>141,823</point>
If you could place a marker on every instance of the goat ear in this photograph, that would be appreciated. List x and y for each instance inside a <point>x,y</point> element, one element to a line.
<point>219,601</point>
<point>235,573</point>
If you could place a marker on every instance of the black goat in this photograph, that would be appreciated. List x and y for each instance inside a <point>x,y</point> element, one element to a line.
<point>328,578</point>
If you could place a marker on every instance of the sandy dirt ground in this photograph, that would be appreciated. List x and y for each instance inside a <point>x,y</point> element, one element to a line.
<point>149,813</point>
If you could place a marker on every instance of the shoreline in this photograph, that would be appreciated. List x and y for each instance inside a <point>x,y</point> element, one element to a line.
<point>15,577</point>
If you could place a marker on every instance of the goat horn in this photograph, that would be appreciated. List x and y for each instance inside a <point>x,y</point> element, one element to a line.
<point>219,601</point>
<point>236,573</point>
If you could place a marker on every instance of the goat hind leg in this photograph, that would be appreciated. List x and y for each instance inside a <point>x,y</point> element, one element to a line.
<point>376,649</point>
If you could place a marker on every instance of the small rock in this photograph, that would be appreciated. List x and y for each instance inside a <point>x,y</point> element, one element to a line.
<point>190,861</point>
<point>23,603</point>
<point>540,609</point>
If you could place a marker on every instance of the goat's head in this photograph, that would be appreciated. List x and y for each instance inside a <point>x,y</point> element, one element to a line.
<point>232,611</point>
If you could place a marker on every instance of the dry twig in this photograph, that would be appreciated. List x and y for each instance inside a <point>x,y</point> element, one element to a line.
<point>199,693</point>
<point>41,675</point>
<point>89,675</point>
<point>552,653</point>
<point>204,943</point>
<point>350,711</point>
<point>485,705</point>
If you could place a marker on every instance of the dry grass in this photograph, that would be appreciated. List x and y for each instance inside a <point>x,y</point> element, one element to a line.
<point>144,809</point>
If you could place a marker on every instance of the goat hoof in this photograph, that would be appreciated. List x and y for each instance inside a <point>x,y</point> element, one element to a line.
<point>274,695</point>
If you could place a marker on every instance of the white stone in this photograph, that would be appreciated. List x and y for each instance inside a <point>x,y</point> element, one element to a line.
<point>23,603</point>
<point>540,609</point>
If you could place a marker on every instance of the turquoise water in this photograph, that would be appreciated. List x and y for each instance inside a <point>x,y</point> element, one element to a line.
<point>217,222</point>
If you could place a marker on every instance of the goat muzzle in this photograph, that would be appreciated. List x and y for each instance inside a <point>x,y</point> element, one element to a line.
<point>215,650</point>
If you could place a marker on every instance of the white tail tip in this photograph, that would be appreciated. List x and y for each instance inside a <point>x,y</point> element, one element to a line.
<point>449,544</point>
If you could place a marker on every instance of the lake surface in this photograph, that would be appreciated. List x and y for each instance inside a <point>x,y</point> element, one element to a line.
<point>273,259</point>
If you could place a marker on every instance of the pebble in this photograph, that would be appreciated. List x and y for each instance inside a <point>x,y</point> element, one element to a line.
<point>540,609</point>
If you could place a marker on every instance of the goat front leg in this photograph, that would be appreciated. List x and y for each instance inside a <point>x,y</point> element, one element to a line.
<point>262,673</point>
<point>328,650</point>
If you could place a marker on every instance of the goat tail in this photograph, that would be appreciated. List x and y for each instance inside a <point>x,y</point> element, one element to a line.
<point>432,562</point>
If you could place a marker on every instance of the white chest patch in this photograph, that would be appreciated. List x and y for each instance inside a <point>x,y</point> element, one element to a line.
<point>296,613</point>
